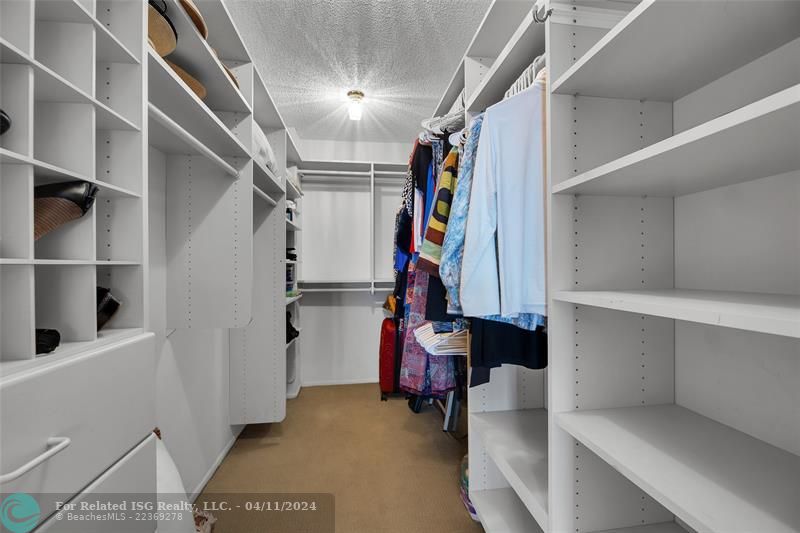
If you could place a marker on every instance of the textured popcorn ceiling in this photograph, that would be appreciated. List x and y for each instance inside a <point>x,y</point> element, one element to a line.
<point>401,53</point>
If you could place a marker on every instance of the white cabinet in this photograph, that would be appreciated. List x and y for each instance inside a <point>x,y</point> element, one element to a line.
<point>94,406</point>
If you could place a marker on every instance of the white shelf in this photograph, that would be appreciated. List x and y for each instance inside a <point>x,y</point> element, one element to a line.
<point>168,91</point>
<point>291,226</point>
<point>68,349</point>
<point>50,86</point>
<point>709,475</point>
<point>501,511</point>
<point>292,192</point>
<point>265,179</point>
<point>170,138</point>
<point>454,88</point>
<point>774,314</point>
<point>264,196</point>
<point>195,56</point>
<point>663,50</point>
<point>517,443</point>
<point>66,262</point>
<point>292,299</point>
<point>523,47</point>
<point>109,48</point>
<point>755,141</point>
<point>46,173</point>
<point>265,112</point>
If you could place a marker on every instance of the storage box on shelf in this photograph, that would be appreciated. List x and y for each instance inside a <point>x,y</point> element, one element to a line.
<point>673,280</point>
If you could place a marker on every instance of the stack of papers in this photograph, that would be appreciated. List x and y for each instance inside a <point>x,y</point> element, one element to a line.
<point>452,343</point>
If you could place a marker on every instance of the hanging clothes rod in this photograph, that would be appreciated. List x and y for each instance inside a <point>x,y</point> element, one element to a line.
<point>391,173</point>
<point>350,289</point>
<point>358,180</point>
<point>264,196</point>
<point>333,173</point>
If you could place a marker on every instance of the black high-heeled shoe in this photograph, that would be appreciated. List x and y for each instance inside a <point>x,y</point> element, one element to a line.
<point>47,340</point>
<point>5,122</point>
<point>107,306</point>
<point>57,203</point>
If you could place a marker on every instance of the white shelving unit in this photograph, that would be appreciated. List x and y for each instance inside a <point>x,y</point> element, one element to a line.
<point>674,272</point>
<point>294,293</point>
<point>73,80</point>
<point>74,88</point>
<point>674,290</point>
<point>225,122</point>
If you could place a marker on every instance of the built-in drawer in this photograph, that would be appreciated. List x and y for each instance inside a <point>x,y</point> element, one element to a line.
<point>132,479</point>
<point>102,401</point>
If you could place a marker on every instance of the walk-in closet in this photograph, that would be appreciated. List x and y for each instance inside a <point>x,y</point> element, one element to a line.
<point>368,266</point>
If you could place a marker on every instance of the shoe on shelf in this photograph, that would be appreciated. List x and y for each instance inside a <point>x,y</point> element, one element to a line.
<point>47,340</point>
<point>107,306</point>
<point>5,122</point>
<point>161,33</point>
<point>56,204</point>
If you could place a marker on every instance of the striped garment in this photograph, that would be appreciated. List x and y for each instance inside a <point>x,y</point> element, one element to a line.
<point>431,253</point>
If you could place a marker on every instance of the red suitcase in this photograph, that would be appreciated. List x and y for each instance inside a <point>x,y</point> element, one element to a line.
<point>387,368</point>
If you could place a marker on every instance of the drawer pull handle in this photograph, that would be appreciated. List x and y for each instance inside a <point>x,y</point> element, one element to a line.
<point>55,445</point>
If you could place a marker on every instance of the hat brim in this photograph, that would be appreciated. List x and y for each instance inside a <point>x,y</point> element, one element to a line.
<point>196,16</point>
<point>160,33</point>
<point>194,84</point>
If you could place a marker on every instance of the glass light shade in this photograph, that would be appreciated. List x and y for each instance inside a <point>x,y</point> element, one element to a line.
<point>354,110</point>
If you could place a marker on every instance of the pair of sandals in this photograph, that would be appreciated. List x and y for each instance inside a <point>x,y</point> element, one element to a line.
<point>163,37</point>
<point>47,340</point>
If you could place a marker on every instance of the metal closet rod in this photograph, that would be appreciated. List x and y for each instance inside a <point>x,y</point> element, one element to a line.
<point>350,179</point>
<point>351,289</point>
<point>391,173</point>
<point>333,173</point>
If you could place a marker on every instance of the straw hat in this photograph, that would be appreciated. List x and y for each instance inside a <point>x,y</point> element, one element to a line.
<point>160,32</point>
<point>196,87</point>
<point>196,17</point>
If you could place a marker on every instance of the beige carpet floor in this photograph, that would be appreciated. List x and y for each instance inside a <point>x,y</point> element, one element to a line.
<point>389,470</point>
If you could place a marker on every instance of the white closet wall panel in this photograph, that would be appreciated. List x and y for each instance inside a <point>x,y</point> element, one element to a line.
<point>336,232</point>
<point>744,380</point>
<point>744,237</point>
<point>258,351</point>
<point>340,338</point>
<point>192,388</point>
<point>767,75</point>
<point>191,366</point>
<point>209,244</point>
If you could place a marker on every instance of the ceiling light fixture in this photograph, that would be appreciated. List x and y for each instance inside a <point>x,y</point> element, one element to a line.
<point>354,108</point>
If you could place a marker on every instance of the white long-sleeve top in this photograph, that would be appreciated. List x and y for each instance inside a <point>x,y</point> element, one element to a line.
<point>503,268</point>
